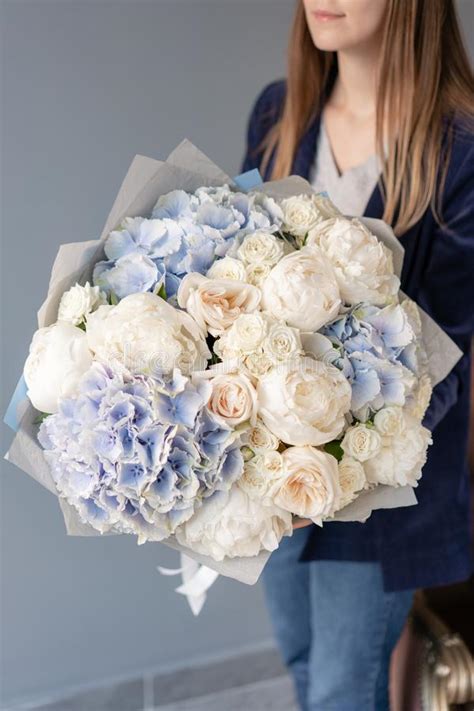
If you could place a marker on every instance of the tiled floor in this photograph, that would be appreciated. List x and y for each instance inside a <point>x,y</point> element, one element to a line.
<point>252,682</point>
<point>270,695</point>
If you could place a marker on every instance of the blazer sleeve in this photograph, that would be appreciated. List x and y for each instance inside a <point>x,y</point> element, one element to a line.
<point>447,289</point>
<point>265,112</point>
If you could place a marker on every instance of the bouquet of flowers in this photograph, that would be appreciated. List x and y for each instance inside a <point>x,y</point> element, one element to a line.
<point>222,361</point>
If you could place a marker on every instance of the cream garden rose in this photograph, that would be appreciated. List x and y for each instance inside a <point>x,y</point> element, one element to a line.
<point>352,480</point>
<point>310,487</point>
<point>147,335</point>
<point>362,264</point>
<point>361,442</point>
<point>59,355</point>
<point>229,269</point>
<point>79,301</point>
<point>233,398</point>
<point>304,401</point>
<point>216,303</point>
<point>302,290</point>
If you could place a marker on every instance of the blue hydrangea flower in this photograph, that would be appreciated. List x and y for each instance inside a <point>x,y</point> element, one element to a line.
<point>136,454</point>
<point>185,233</point>
<point>370,345</point>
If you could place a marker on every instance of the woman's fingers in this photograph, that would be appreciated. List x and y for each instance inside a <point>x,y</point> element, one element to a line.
<point>301,522</point>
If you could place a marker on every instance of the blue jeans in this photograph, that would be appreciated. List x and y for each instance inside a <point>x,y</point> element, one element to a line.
<point>335,626</point>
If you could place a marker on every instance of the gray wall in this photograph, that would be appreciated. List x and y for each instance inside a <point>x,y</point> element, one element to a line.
<point>86,85</point>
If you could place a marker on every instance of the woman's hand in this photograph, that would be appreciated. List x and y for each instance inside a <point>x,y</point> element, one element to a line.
<point>301,522</point>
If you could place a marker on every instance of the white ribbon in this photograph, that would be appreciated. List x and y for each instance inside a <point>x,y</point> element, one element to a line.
<point>197,579</point>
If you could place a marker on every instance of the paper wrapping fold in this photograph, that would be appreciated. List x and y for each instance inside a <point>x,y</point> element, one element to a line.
<point>188,168</point>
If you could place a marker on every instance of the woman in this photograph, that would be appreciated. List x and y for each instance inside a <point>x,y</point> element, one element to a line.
<point>378,109</point>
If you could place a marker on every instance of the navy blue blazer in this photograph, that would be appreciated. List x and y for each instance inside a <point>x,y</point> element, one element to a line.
<point>428,544</point>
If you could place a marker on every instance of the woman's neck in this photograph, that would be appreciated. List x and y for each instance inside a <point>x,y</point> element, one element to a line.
<point>355,90</point>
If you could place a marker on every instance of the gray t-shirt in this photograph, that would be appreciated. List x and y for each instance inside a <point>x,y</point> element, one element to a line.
<point>349,191</point>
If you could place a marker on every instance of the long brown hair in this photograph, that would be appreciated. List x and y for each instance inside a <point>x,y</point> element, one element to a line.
<point>425,79</point>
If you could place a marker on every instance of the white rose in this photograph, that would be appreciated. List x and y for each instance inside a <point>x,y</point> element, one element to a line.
<point>283,342</point>
<point>58,357</point>
<point>258,364</point>
<point>259,438</point>
<point>79,301</point>
<point>302,290</point>
<point>246,334</point>
<point>401,458</point>
<point>257,273</point>
<point>310,487</point>
<point>363,265</point>
<point>147,335</point>
<point>390,421</point>
<point>233,524</point>
<point>361,442</point>
<point>300,214</point>
<point>304,401</point>
<point>352,480</point>
<point>233,398</point>
<point>260,248</point>
<point>229,269</point>
<point>216,303</point>
<point>261,474</point>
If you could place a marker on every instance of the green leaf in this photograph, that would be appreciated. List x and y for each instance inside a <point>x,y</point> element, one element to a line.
<point>162,292</point>
<point>113,298</point>
<point>41,417</point>
<point>82,325</point>
<point>334,448</point>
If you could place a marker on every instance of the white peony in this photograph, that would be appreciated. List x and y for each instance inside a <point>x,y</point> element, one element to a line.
<point>363,265</point>
<point>304,401</point>
<point>260,248</point>
<point>390,421</point>
<point>79,301</point>
<point>147,335</point>
<point>310,487</point>
<point>352,480</point>
<point>227,268</point>
<point>302,290</point>
<point>361,442</point>
<point>233,398</point>
<point>300,214</point>
<point>419,400</point>
<point>58,357</point>
<point>233,524</point>
<point>401,458</point>
<point>216,303</point>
